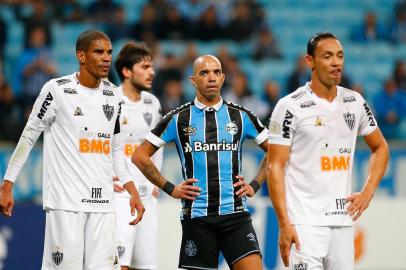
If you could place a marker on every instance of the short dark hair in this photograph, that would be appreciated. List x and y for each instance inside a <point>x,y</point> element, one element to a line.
<point>314,40</point>
<point>85,39</point>
<point>131,53</point>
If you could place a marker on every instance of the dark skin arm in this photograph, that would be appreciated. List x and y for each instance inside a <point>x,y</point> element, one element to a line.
<point>246,189</point>
<point>142,159</point>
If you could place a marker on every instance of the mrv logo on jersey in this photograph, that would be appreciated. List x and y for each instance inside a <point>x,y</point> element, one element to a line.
<point>201,146</point>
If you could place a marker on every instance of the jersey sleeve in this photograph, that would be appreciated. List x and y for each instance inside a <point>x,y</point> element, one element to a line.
<point>282,125</point>
<point>253,127</point>
<point>164,132</point>
<point>119,159</point>
<point>367,122</point>
<point>42,115</point>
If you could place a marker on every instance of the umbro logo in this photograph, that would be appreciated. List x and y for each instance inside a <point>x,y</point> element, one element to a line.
<point>78,112</point>
<point>251,237</point>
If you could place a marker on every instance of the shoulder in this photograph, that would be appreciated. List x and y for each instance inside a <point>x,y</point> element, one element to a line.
<point>238,107</point>
<point>149,98</point>
<point>350,96</point>
<point>177,111</point>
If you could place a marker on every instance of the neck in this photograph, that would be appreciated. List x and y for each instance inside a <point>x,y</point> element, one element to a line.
<point>88,80</point>
<point>208,102</point>
<point>323,91</point>
<point>130,91</point>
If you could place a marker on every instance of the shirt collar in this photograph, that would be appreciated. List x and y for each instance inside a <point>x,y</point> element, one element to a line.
<point>202,106</point>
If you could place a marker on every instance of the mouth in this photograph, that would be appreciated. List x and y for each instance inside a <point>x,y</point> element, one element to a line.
<point>336,72</point>
<point>105,68</point>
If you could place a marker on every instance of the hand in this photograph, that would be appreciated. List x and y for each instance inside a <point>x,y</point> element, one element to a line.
<point>186,190</point>
<point>155,191</point>
<point>358,203</point>
<point>287,236</point>
<point>6,198</point>
<point>117,187</point>
<point>136,205</point>
<point>245,188</point>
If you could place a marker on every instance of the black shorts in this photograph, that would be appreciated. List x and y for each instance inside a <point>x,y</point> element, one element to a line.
<point>203,238</point>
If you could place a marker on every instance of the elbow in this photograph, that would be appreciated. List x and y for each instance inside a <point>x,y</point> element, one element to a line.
<point>135,158</point>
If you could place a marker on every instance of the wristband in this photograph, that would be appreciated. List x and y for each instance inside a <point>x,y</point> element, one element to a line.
<point>168,188</point>
<point>255,185</point>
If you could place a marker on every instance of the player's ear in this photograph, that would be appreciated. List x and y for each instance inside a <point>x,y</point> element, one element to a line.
<point>193,80</point>
<point>309,61</point>
<point>80,55</point>
<point>126,72</point>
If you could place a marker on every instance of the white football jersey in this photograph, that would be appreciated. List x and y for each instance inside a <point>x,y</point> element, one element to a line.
<point>136,121</point>
<point>322,137</point>
<point>79,124</point>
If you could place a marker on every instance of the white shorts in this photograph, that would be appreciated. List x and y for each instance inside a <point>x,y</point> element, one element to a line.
<point>323,248</point>
<point>137,245</point>
<point>80,241</point>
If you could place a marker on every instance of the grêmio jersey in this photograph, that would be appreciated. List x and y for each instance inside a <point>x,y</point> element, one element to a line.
<point>136,121</point>
<point>209,143</point>
<point>322,138</point>
<point>80,126</point>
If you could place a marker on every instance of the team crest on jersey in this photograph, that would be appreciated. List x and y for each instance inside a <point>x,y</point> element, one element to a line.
<point>189,131</point>
<point>124,121</point>
<point>121,251</point>
<point>108,111</point>
<point>349,119</point>
<point>78,112</point>
<point>190,248</point>
<point>301,266</point>
<point>57,257</point>
<point>231,128</point>
<point>148,117</point>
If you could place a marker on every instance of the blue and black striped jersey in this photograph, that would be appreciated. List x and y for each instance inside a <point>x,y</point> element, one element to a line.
<point>209,143</point>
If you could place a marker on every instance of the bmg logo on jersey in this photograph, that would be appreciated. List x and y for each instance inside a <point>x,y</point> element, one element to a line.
<point>201,146</point>
<point>94,142</point>
<point>334,163</point>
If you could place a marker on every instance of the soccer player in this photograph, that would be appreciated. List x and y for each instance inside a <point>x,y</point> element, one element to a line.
<point>312,141</point>
<point>208,134</point>
<point>79,114</point>
<point>140,112</point>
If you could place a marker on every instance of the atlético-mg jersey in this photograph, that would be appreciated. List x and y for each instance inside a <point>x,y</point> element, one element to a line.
<point>136,121</point>
<point>79,126</point>
<point>209,143</point>
<point>322,138</point>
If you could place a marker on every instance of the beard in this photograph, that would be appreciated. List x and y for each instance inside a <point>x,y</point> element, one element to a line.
<point>140,86</point>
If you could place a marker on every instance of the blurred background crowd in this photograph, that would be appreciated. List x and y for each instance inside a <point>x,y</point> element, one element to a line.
<point>261,44</point>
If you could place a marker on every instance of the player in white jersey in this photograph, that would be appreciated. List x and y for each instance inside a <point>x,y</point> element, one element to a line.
<point>140,112</point>
<point>313,135</point>
<point>79,115</point>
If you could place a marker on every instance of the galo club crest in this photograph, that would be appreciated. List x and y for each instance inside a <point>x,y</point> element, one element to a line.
<point>108,111</point>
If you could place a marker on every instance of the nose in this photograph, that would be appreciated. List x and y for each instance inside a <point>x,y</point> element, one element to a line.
<point>107,57</point>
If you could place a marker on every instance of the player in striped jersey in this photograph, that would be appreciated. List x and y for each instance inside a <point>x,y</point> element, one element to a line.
<point>313,134</point>
<point>208,134</point>
<point>79,115</point>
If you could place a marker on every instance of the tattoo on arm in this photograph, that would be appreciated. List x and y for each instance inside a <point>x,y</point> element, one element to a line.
<point>261,174</point>
<point>152,173</point>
